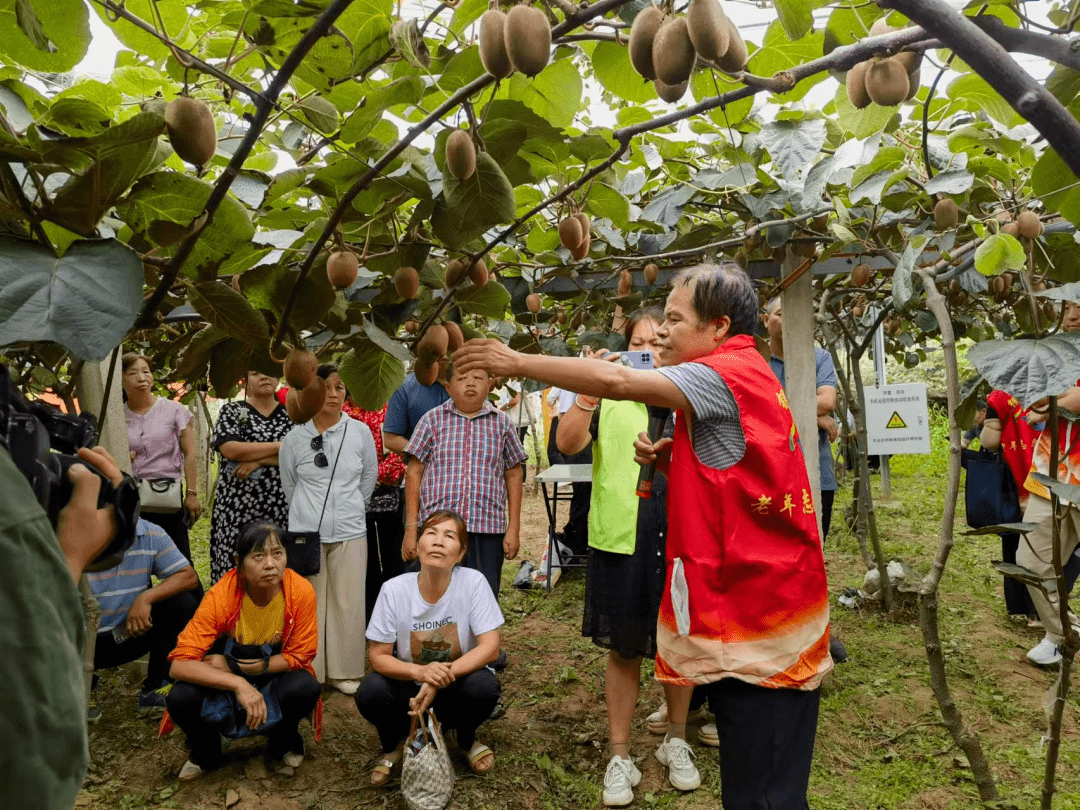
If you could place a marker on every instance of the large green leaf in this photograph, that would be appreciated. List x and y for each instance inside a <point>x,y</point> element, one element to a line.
<point>778,52</point>
<point>611,63</point>
<point>402,91</point>
<point>269,287</point>
<point>49,35</point>
<point>604,201</point>
<point>371,375</point>
<point>195,357</point>
<point>795,15</point>
<point>793,145</point>
<point>489,301</point>
<point>485,199</point>
<point>972,92</point>
<point>999,253</point>
<point>229,311</point>
<point>1053,181</point>
<point>554,94</point>
<point>1029,369</point>
<point>173,13</point>
<point>230,361</point>
<point>86,301</point>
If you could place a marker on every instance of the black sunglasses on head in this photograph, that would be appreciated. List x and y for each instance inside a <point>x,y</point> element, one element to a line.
<point>320,457</point>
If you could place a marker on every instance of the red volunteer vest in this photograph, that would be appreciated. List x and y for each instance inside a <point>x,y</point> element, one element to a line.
<point>1018,438</point>
<point>745,595</point>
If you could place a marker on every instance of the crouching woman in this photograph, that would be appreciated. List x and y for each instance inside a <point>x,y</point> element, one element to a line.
<point>443,624</point>
<point>242,666</point>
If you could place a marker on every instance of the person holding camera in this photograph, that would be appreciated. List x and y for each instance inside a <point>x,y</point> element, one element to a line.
<point>139,617</point>
<point>162,444</point>
<point>43,705</point>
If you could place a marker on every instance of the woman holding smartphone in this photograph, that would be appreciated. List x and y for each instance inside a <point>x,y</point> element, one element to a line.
<point>625,579</point>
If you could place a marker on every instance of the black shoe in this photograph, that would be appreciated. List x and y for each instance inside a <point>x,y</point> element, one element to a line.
<point>500,663</point>
<point>837,650</point>
<point>153,698</point>
<point>498,711</point>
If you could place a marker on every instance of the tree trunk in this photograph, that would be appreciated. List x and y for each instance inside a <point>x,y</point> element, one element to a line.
<point>967,739</point>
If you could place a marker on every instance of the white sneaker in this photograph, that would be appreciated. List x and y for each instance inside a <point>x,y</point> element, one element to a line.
<point>657,721</point>
<point>709,736</point>
<point>190,771</point>
<point>677,756</point>
<point>1045,653</point>
<point>293,759</point>
<point>344,686</point>
<point>619,782</point>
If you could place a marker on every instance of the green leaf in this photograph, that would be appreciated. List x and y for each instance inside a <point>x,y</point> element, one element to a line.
<point>489,301</point>
<point>554,94</point>
<point>320,113</point>
<point>269,287</point>
<point>231,360</point>
<point>173,13</point>
<point>1029,369</point>
<point>999,253</point>
<point>540,240</point>
<point>48,35</point>
<point>86,301</point>
<point>778,53</point>
<point>380,100</point>
<point>485,199</point>
<point>972,92</point>
<point>795,15</point>
<point>195,357</point>
<point>861,123</point>
<point>604,201</point>
<point>370,374</point>
<point>231,312</point>
<point>793,145</point>
<point>465,13</point>
<point>703,86</point>
<point>611,64</point>
<point>1053,181</point>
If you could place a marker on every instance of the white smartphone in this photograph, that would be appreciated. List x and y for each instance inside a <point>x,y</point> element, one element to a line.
<point>640,360</point>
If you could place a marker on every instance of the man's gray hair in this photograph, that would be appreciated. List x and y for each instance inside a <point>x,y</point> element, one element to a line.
<point>722,290</point>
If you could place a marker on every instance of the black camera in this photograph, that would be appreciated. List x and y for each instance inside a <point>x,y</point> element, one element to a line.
<point>43,442</point>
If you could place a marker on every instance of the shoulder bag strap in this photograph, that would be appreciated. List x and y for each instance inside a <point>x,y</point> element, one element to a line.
<point>330,485</point>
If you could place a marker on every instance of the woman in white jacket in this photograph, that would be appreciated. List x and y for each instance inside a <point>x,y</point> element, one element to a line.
<point>307,460</point>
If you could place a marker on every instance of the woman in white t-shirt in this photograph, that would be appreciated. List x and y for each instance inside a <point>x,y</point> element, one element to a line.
<point>432,635</point>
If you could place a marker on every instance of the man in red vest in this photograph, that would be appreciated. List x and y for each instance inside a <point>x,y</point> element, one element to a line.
<point>745,608</point>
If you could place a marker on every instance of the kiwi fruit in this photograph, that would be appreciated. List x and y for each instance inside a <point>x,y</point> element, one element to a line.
<point>670,93</point>
<point>407,282</point>
<point>532,301</point>
<point>708,28</point>
<point>411,327</point>
<point>570,232</point>
<point>651,272</point>
<point>586,224</point>
<point>342,268</point>
<point>300,367</point>
<point>673,52</point>
<point>478,273</point>
<point>887,82</point>
<point>735,59</point>
<point>426,373</point>
<point>455,272</point>
<point>1012,229</point>
<point>910,60</point>
<point>167,233</point>
<point>880,27</point>
<point>1030,225</point>
<point>560,318</point>
<point>292,406</point>
<point>528,39</point>
<point>946,214</point>
<point>642,34</point>
<point>493,55</point>
<point>582,250</point>
<point>455,337</point>
<point>807,250</point>
<point>190,127</point>
<point>858,310</point>
<point>312,398</point>
<point>626,284</point>
<point>860,275</point>
<point>856,86</point>
<point>915,82</point>
<point>741,258</point>
<point>460,154</point>
<point>433,345</point>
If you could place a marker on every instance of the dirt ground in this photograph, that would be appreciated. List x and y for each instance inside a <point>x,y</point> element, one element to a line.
<point>880,744</point>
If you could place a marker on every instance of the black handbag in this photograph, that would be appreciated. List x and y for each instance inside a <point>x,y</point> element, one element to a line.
<point>990,493</point>
<point>303,550</point>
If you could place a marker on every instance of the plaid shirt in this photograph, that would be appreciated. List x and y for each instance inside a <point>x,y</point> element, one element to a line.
<point>465,460</point>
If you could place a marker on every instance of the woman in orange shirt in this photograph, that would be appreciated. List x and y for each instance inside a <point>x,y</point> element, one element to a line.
<point>242,666</point>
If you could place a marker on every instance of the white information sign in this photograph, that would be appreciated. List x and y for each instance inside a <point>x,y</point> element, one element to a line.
<point>897,420</point>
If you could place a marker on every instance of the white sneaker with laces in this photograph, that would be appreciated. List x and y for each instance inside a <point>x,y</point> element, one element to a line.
<point>709,736</point>
<point>1046,653</point>
<point>346,687</point>
<point>677,755</point>
<point>190,771</point>
<point>657,721</point>
<point>293,759</point>
<point>619,782</point>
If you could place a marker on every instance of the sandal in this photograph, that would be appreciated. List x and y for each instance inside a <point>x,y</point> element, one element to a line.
<point>380,774</point>
<point>477,754</point>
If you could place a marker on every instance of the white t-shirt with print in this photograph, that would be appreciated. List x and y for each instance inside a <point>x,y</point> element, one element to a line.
<point>445,631</point>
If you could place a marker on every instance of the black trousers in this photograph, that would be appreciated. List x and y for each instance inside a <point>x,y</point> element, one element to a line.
<point>463,705</point>
<point>168,617</point>
<point>297,693</point>
<point>827,496</point>
<point>385,531</point>
<point>766,744</point>
<point>485,554</point>
<point>175,525</point>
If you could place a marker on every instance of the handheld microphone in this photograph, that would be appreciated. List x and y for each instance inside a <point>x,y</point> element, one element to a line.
<point>657,419</point>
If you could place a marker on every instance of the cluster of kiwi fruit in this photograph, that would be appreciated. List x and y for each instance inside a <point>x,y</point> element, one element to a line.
<point>342,267</point>
<point>307,390</point>
<point>519,39</point>
<point>887,80</point>
<point>664,48</point>
<point>190,128</point>
<point>575,233</point>
<point>457,269</point>
<point>1027,227</point>
<point>433,345</point>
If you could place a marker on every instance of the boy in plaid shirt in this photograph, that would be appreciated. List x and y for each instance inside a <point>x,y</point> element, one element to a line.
<point>465,456</point>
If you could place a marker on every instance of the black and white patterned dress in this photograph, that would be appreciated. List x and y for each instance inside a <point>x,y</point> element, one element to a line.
<point>237,502</point>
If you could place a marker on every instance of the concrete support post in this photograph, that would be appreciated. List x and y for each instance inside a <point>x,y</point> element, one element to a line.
<point>90,386</point>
